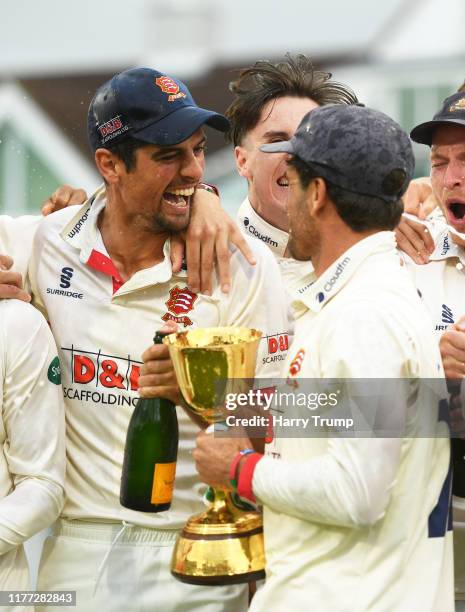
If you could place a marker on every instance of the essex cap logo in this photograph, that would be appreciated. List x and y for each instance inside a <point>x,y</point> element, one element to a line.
<point>169,86</point>
<point>354,147</point>
<point>452,112</point>
<point>148,105</point>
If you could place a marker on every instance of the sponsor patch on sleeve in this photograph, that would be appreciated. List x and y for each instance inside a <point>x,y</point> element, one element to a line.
<point>54,372</point>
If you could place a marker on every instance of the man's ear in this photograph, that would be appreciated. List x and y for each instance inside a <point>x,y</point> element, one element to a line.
<point>317,196</point>
<point>242,158</point>
<point>108,165</point>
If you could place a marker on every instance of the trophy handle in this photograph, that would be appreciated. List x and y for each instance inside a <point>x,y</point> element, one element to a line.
<point>223,505</point>
<point>211,496</point>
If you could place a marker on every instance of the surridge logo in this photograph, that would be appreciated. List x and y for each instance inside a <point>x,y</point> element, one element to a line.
<point>66,276</point>
<point>65,283</point>
<point>447,315</point>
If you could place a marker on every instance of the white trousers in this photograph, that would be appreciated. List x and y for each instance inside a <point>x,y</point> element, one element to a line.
<point>14,576</point>
<point>131,574</point>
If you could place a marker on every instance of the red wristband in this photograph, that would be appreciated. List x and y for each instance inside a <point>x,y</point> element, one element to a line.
<point>235,462</point>
<point>244,485</point>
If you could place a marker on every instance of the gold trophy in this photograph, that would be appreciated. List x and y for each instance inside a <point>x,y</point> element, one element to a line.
<point>224,544</point>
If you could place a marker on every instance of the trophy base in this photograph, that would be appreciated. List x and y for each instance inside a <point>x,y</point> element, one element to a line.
<point>220,548</point>
<point>220,580</point>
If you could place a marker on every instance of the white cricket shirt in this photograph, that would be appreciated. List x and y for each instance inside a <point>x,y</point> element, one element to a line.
<point>441,284</point>
<point>360,524</point>
<point>296,275</point>
<point>16,236</point>
<point>101,328</point>
<point>32,436</point>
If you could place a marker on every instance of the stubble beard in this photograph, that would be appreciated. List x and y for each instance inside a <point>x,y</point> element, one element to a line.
<point>304,243</point>
<point>296,250</point>
<point>161,223</point>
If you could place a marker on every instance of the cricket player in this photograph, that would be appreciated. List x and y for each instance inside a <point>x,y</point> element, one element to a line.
<point>101,273</point>
<point>442,282</point>
<point>32,438</point>
<point>415,238</point>
<point>270,100</point>
<point>351,523</point>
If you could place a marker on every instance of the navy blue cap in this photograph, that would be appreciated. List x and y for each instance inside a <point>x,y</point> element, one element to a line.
<point>148,105</point>
<point>357,148</point>
<point>452,112</point>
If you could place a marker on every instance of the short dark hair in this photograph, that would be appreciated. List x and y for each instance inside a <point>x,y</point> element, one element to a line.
<point>126,151</point>
<point>265,81</point>
<point>360,212</point>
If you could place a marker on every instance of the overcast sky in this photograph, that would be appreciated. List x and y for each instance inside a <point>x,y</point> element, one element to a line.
<point>67,35</point>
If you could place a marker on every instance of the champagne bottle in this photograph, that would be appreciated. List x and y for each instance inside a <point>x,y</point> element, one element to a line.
<point>150,454</point>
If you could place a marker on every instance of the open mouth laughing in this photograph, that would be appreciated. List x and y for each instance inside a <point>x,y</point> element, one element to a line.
<point>455,210</point>
<point>282,181</point>
<point>178,199</point>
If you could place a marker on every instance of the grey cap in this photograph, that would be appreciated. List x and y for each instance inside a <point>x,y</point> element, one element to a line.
<point>452,112</point>
<point>356,148</point>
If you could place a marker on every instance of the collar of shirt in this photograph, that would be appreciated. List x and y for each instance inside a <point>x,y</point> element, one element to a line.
<point>81,231</point>
<point>254,225</point>
<point>316,295</point>
<point>446,248</point>
<point>83,234</point>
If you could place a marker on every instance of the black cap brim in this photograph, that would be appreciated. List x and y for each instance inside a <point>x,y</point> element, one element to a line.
<point>180,125</point>
<point>423,133</point>
<point>284,146</point>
